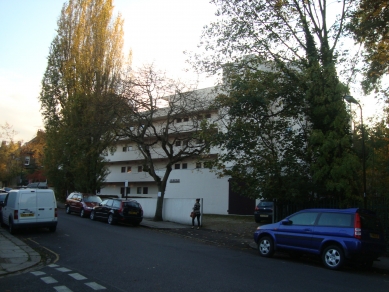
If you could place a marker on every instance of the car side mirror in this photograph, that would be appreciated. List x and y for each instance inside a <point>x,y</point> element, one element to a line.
<point>286,222</point>
<point>100,204</point>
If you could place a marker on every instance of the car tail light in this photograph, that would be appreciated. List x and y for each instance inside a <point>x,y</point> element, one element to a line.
<point>55,213</point>
<point>121,207</point>
<point>256,208</point>
<point>357,226</point>
<point>16,214</point>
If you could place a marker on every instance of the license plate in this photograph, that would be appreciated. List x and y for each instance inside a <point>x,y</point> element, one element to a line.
<point>264,216</point>
<point>27,215</point>
<point>373,235</point>
<point>132,213</point>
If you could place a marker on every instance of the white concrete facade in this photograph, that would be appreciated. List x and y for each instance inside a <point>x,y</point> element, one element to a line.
<point>188,180</point>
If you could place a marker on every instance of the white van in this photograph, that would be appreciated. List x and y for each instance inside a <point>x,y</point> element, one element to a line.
<point>25,208</point>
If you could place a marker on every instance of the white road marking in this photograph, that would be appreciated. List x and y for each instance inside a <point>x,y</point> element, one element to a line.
<point>62,289</point>
<point>95,286</point>
<point>38,273</point>
<point>63,270</point>
<point>49,280</point>
<point>77,276</point>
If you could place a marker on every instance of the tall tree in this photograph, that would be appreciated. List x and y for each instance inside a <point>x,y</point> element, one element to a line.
<point>11,162</point>
<point>295,38</point>
<point>266,135</point>
<point>370,26</point>
<point>168,123</point>
<point>79,94</point>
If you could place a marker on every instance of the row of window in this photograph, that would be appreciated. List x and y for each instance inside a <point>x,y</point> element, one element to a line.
<point>128,169</point>
<point>177,143</point>
<point>139,191</point>
<point>186,119</point>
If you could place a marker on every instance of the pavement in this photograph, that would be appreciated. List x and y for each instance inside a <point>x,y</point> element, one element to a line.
<point>16,256</point>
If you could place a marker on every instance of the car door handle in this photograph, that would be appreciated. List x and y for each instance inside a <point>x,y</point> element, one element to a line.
<point>41,208</point>
<point>308,230</point>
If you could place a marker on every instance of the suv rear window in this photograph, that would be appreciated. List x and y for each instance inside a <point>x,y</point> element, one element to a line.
<point>116,204</point>
<point>132,204</point>
<point>265,204</point>
<point>336,219</point>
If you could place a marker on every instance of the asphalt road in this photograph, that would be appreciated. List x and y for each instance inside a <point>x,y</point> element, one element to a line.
<point>92,256</point>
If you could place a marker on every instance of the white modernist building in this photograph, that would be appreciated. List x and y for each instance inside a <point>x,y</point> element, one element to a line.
<point>189,179</point>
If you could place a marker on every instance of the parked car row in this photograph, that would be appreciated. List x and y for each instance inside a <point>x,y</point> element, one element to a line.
<point>111,210</point>
<point>335,235</point>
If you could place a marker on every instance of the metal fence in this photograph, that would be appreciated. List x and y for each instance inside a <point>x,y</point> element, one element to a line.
<point>378,205</point>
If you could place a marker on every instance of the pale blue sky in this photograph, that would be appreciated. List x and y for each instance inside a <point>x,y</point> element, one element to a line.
<point>157,31</point>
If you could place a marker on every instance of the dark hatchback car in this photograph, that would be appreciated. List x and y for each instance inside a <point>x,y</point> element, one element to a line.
<point>264,211</point>
<point>118,210</point>
<point>81,203</point>
<point>336,235</point>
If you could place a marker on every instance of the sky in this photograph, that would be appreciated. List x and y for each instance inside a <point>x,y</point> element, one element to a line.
<point>157,31</point>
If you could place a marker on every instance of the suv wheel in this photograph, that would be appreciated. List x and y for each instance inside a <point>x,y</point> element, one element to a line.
<point>266,247</point>
<point>68,210</point>
<point>110,219</point>
<point>82,213</point>
<point>333,257</point>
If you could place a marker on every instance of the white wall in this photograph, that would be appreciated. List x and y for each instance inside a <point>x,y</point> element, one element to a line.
<point>174,210</point>
<point>201,183</point>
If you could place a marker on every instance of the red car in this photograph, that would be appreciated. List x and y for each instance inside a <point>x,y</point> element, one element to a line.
<point>81,203</point>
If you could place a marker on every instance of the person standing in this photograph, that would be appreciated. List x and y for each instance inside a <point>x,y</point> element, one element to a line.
<point>196,211</point>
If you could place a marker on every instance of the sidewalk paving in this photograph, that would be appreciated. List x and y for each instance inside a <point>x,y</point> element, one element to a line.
<point>17,256</point>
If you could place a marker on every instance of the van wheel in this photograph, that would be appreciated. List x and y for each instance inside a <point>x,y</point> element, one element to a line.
<point>110,219</point>
<point>266,247</point>
<point>82,213</point>
<point>11,228</point>
<point>333,257</point>
<point>68,210</point>
<point>52,228</point>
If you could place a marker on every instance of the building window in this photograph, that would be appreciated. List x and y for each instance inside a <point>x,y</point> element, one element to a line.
<point>127,148</point>
<point>140,168</point>
<point>139,190</point>
<point>178,143</point>
<point>123,169</point>
<point>128,169</point>
<point>198,164</point>
<point>208,116</point>
<point>145,190</point>
<point>123,191</point>
<point>186,119</point>
<point>177,166</point>
<point>178,120</point>
<point>27,160</point>
<point>184,165</point>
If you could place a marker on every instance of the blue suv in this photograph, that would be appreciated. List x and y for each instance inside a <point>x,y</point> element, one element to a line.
<point>333,234</point>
